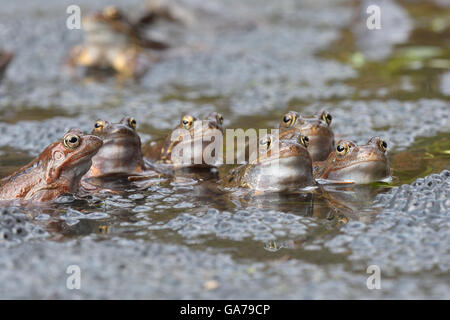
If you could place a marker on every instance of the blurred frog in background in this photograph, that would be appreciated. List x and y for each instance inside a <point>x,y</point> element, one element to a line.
<point>113,42</point>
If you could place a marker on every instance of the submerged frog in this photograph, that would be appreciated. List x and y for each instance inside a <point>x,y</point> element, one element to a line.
<point>356,163</point>
<point>195,137</point>
<point>5,59</point>
<point>280,165</point>
<point>57,170</point>
<point>112,41</point>
<point>317,129</point>
<point>120,156</point>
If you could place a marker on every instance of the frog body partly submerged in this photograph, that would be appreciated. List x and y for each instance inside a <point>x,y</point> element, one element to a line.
<point>120,156</point>
<point>317,129</point>
<point>57,170</point>
<point>195,137</point>
<point>355,163</point>
<point>281,165</point>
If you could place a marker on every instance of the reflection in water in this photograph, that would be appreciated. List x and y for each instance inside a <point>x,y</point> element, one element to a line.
<point>338,205</point>
<point>132,213</point>
<point>83,222</point>
<point>353,201</point>
<point>330,206</point>
<point>425,156</point>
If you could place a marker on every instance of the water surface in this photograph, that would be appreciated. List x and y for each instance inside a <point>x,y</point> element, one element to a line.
<point>271,59</point>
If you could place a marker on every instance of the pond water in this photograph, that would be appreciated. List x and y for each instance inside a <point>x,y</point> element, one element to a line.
<point>252,63</point>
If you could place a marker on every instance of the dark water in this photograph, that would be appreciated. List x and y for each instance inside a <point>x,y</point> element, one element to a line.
<point>252,64</point>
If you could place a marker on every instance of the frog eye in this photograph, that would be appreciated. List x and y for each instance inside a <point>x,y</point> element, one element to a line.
<point>325,116</point>
<point>132,122</point>
<point>266,141</point>
<point>288,119</point>
<point>219,118</point>
<point>303,140</point>
<point>187,122</point>
<point>382,145</point>
<point>71,141</point>
<point>342,149</point>
<point>98,126</point>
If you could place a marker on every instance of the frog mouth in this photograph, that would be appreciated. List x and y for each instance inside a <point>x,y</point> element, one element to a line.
<point>119,137</point>
<point>367,163</point>
<point>121,132</point>
<point>365,171</point>
<point>119,146</point>
<point>79,159</point>
<point>85,156</point>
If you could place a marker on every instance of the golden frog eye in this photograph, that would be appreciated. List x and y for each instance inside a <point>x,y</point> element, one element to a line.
<point>187,122</point>
<point>219,118</point>
<point>325,116</point>
<point>341,219</point>
<point>303,140</point>
<point>382,145</point>
<point>71,141</point>
<point>288,119</point>
<point>111,12</point>
<point>342,149</point>
<point>99,124</point>
<point>132,122</point>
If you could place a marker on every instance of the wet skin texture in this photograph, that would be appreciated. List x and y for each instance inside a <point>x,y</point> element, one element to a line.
<point>190,132</point>
<point>57,170</point>
<point>112,41</point>
<point>317,129</point>
<point>358,163</point>
<point>120,155</point>
<point>294,169</point>
<point>5,59</point>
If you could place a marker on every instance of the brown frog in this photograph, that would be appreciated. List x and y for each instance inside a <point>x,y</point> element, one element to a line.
<point>280,165</point>
<point>173,11</point>
<point>57,170</point>
<point>355,163</point>
<point>192,135</point>
<point>112,41</point>
<point>120,156</point>
<point>5,59</point>
<point>317,129</point>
